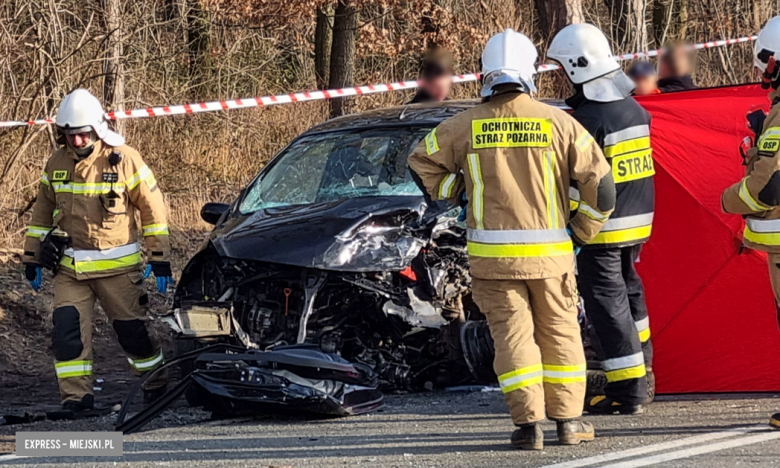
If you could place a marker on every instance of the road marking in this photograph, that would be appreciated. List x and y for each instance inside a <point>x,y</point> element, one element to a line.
<point>9,457</point>
<point>700,450</point>
<point>597,459</point>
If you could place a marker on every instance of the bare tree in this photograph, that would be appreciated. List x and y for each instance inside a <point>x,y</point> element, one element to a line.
<point>342,55</point>
<point>670,20</point>
<point>114,74</point>
<point>323,36</point>
<point>554,15</point>
<point>199,44</point>
<point>629,28</point>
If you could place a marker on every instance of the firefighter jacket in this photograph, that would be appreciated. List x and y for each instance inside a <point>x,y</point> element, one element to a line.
<point>622,129</point>
<point>757,195</point>
<point>515,157</point>
<point>95,203</point>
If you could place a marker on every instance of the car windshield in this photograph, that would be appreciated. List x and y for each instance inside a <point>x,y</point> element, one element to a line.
<point>335,166</point>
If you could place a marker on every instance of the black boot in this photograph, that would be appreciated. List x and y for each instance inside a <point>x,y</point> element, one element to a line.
<point>86,403</point>
<point>574,431</point>
<point>153,394</point>
<point>528,437</point>
<point>604,405</point>
<point>774,421</point>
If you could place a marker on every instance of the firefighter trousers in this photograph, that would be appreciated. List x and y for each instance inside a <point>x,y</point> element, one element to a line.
<point>613,299</point>
<point>124,299</point>
<point>539,360</point>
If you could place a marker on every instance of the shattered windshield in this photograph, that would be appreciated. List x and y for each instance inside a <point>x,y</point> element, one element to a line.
<point>335,166</point>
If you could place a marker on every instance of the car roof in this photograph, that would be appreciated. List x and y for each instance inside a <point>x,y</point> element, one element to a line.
<point>426,114</point>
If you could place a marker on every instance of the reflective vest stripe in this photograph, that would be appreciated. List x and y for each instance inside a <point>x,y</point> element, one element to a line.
<point>636,372</point>
<point>38,231</point>
<point>625,229</point>
<point>574,199</point>
<point>629,133</point>
<point>520,378</point>
<point>625,368</point>
<point>521,236</point>
<point>555,374</point>
<point>583,141</point>
<point>431,143</point>
<point>446,186</point>
<point>144,365</point>
<point>628,222</point>
<point>67,369</point>
<point>86,188</point>
<point>752,203</point>
<point>45,179</point>
<point>762,238</point>
<point>156,230</point>
<point>643,328</point>
<point>91,261</point>
<point>764,225</point>
<point>625,147</point>
<point>520,250</point>
<point>145,174</point>
<point>549,189</point>
<point>476,198</point>
<point>590,212</point>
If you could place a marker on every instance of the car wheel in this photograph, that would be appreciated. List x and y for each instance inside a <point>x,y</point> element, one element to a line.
<point>597,380</point>
<point>193,394</point>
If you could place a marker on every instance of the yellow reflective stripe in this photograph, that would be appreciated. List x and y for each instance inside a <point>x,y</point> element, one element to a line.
<point>156,230</point>
<point>37,231</point>
<point>644,335</point>
<point>623,235</point>
<point>45,179</point>
<point>144,365</point>
<point>556,374</point>
<point>67,369</point>
<point>628,146</point>
<point>629,373</point>
<point>85,188</point>
<point>144,174</point>
<point>476,197</point>
<point>573,205</point>
<point>520,250</point>
<point>520,378</point>
<point>431,143</point>
<point>583,141</point>
<point>763,238</point>
<point>633,166</point>
<point>752,203</point>
<point>590,212</point>
<point>549,189</point>
<point>446,186</point>
<point>101,265</point>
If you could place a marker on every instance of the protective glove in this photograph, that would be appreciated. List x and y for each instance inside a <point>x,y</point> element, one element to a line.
<point>464,204</point>
<point>50,255</point>
<point>577,246</point>
<point>162,274</point>
<point>34,274</point>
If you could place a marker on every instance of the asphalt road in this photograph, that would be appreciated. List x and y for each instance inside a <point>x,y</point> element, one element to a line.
<point>444,429</point>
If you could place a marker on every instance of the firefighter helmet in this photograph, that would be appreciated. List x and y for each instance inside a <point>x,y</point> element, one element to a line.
<point>767,43</point>
<point>508,57</point>
<point>81,111</point>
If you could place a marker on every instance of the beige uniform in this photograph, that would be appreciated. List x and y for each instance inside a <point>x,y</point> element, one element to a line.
<point>757,196</point>
<point>96,203</point>
<point>515,157</point>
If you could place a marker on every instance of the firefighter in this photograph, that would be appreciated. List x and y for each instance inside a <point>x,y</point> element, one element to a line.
<point>757,195</point>
<point>613,295</point>
<point>515,157</point>
<point>84,229</point>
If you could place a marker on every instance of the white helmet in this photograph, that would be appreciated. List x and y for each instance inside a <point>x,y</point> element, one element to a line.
<point>509,57</point>
<point>767,44</point>
<point>585,55</point>
<point>80,110</point>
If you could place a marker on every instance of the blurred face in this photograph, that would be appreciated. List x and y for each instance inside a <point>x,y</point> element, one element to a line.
<point>438,88</point>
<point>675,62</point>
<point>645,85</point>
<point>79,140</point>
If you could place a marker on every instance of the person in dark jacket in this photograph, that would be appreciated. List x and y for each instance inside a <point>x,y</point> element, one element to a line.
<point>435,77</point>
<point>613,295</point>
<point>674,70</point>
<point>645,78</point>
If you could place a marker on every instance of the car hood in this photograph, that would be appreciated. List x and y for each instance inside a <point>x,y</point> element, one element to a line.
<point>356,234</point>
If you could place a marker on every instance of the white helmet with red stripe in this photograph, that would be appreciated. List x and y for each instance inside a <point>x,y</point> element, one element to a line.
<point>81,111</point>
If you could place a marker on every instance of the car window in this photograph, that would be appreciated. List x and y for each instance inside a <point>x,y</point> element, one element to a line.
<point>335,166</point>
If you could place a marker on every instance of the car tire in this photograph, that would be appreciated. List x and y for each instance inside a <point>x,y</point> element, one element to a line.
<point>193,395</point>
<point>597,381</point>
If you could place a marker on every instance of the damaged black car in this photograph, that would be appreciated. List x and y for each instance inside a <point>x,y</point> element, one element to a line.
<point>332,247</point>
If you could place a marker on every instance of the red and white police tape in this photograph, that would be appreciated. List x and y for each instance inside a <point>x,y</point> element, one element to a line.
<point>331,93</point>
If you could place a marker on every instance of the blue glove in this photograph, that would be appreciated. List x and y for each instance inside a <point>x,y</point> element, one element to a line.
<point>162,274</point>
<point>577,248</point>
<point>34,274</point>
<point>464,204</point>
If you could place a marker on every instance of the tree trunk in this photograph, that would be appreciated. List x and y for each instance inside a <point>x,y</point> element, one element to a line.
<point>682,20</point>
<point>199,45</point>
<point>342,54</point>
<point>629,29</point>
<point>113,79</point>
<point>760,11</point>
<point>555,15</point>
<point>662,16</point>
<point>323,36</point>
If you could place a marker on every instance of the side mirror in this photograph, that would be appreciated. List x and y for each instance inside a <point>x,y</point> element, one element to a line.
<point>211,212</point>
